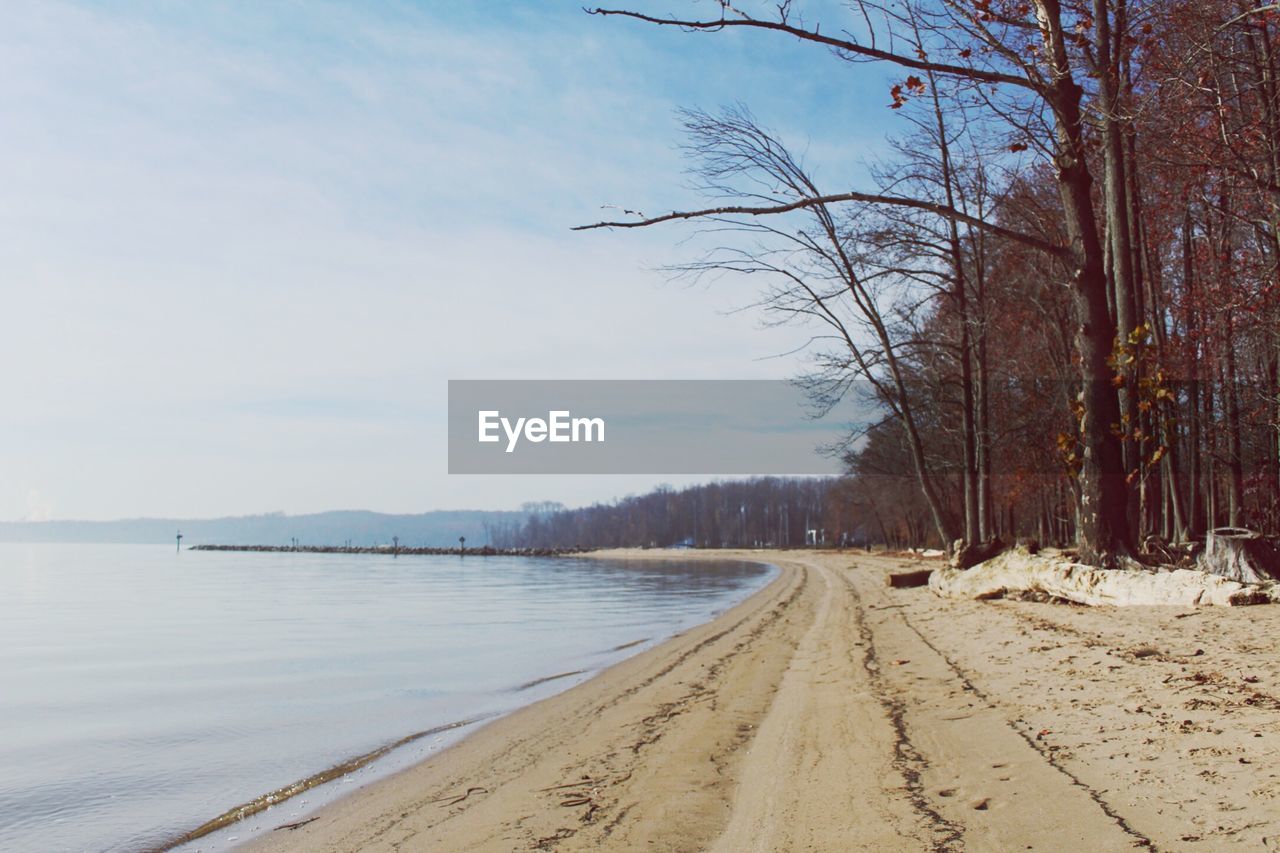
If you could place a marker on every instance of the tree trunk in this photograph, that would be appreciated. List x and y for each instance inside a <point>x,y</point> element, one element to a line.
<point>1196,522</point>
<point>1119,238</point>
<point>960,293</point>
<point>985,499</point>
<point>1235,469</point>
<point>1211,462</point>
<point>1104,534</point>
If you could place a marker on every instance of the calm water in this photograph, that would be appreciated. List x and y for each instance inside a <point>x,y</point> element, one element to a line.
<point>143,692</point>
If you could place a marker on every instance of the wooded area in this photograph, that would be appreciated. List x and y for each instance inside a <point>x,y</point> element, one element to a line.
<point>775,512</point>
<point>1062,287</point>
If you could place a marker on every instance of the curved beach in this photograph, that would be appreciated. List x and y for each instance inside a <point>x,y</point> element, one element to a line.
<point>829,712</point>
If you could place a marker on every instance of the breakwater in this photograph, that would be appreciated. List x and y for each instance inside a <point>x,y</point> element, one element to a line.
<point>397,550</point>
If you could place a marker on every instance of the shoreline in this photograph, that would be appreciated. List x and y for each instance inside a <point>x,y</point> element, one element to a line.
<point>234,816</point>
<point>229,829</point>
<point>519,724</point>
<point>830,712</point>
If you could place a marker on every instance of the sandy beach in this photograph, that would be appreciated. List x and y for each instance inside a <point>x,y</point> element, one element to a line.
<point>830,712</point>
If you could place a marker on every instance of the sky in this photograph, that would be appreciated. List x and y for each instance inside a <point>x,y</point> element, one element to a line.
<point>246,245</point>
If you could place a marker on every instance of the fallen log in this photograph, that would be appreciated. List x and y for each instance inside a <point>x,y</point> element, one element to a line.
<point>906,580</point>
<point>1018,572</point>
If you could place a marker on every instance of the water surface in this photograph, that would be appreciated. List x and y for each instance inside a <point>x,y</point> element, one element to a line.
<point>143,691</point>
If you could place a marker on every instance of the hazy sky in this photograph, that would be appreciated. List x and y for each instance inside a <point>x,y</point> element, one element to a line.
<point>246,244</point>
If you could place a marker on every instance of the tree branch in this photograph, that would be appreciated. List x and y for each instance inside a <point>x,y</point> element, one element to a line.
<point>816,201</point>
<point>837,43</point>
<point>1256,10</point>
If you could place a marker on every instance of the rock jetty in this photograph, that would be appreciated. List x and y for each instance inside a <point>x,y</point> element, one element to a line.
<point>482,551</point>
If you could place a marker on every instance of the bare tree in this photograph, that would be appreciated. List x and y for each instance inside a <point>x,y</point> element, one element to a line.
<point>990,47</point>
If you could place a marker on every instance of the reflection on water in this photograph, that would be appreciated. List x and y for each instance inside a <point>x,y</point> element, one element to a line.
<point>145,692</point>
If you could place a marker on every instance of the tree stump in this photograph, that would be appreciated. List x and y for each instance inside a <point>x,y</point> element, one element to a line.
<point>1240,555</point>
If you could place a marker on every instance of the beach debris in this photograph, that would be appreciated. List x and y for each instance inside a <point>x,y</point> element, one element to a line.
<point>906,580</point>
<point>1155,548</point>
<point>454,799</point>
<point>296,824</point>
<point>1016,572</point>
<point>584,792</point>
<point>584,781</point>
<point>548,841</point>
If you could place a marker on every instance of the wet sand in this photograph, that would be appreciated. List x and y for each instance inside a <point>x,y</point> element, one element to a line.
<point>829,712</point>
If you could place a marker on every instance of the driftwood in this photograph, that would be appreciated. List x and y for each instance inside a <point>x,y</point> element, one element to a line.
<point>965,554</point>
<point>1240,555</point>
<point>1016,573</point>
<point>905,580</point>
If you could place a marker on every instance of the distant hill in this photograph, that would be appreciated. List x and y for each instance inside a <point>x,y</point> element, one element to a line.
<point>361,528</point>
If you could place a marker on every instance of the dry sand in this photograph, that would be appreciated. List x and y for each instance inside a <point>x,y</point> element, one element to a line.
<point>829,712</point>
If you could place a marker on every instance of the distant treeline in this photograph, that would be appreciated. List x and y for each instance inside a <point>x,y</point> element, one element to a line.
<point>355,528</point>
<point>763,512</point>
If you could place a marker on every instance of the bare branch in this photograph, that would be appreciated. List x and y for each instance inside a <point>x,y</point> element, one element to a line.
<point>817,201</point>
<point>1256,10</point>
<point>846,45</point>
